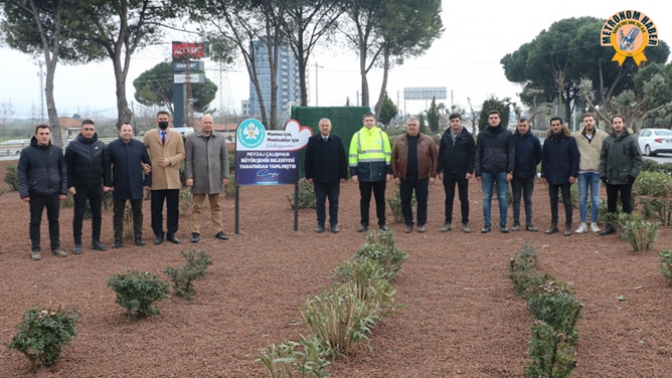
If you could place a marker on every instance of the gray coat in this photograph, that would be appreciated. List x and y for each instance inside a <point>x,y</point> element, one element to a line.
<point>620,159</point>
<point>207,162</point>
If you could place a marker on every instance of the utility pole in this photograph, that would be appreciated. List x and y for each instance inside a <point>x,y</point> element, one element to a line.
<point>41,75</point>
<point>316,87</point>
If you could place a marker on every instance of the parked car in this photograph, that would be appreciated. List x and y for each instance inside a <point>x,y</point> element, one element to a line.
<point>655,141</point>
<point>12,147</point>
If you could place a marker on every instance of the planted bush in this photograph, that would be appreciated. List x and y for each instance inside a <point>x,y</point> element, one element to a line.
<point>395,205</point>
<point>138,291</point>
<point>230,188</point>
<point>129,232</point>
<point>290,359</point>
<point>186,201</point>
<point>380,246</point>
<point>665,264</point>
<point>306,196</point>
<point>183,276</point>
<point>551,356</point>
<point>340,317</point>
<point>654,184</point>
<point>43,333</point>
<point>11,177</point>
<point>522,270</point>
<point>554,304</point>
<point>640,233</point>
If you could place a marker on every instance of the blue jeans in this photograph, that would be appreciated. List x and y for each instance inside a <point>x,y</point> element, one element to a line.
<point>589,180</point>
<point>487,183</point>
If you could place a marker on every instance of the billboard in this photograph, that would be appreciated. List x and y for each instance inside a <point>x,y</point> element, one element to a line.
<point>424,93</point>
<point>188,50</point>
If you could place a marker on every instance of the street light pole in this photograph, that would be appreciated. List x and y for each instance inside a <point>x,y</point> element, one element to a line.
<point>316,87</point>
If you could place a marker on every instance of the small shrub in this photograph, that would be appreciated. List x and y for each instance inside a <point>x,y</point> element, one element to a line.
<point>186,201</point>
<point>108,201</point>
<point>551,356</point>
<point>554,303</point>
<point>11,177</point>
<point>43,333</point>
<point>665,264</point>
<point>656,184</point>
<point>660,208</point>
<point>640,234</point>
<point>183,276</point>
<point>290,359</point>
<point>380,246</point>
<point>575,195</point>
<point>306,196</point>
<point>522,270</point>
<point>395,205</point>
<point>230,188</point>
<point>138,291</point>
<point>341,318</point>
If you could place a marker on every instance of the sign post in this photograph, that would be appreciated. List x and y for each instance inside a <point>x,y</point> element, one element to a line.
<point>183,67</point>
<point>269,157</point>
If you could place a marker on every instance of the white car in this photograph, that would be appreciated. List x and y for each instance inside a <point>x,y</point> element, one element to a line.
<point>655,141</point>
<point>12,147</point>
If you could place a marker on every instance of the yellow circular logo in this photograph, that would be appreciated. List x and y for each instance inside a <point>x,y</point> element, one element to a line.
<point>629,33</point>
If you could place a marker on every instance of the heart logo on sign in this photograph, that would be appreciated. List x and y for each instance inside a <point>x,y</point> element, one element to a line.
<point>302,133</point>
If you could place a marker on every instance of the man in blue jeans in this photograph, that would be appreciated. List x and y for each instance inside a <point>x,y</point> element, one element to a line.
<point>494,162</point>
<point>589,140</point>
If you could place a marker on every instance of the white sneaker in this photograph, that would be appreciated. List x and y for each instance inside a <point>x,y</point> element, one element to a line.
<point>594,228</point>
<point>582,228</point>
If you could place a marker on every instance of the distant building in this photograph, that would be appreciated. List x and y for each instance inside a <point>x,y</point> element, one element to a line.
<point>287,79</point>
<point>245,108</point>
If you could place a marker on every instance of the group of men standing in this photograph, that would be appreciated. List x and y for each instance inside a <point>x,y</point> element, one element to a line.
<point>126,166</point>
<point>498,158</point>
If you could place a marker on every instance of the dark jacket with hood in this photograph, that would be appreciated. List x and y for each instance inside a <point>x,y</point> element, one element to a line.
<point>528,154</point>
<point>41,170</point>
<point>457,157</point>
<point>560,158</point>
<point>495,151</point>
<point>620,159</point>
<point>87,161</point>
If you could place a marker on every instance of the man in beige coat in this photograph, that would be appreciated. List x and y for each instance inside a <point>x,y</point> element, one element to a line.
<point>166,150</point>
<point>206,169</point>
<point>589,140</point>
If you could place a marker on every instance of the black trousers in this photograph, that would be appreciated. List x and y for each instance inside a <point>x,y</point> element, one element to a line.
<point>421,188</point>
<point>449,181</point>
<point>322,192</point>
<point>172,199</point>
<point>524,186</point>
<point>118,218</point>
<point>95,197</point>
<point>626,197</point>
<point>37,205</point>
<point>365,189</point>
<point>566,200</point>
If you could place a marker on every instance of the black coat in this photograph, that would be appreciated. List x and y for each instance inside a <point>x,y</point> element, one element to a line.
<point>457,157</point>
<point>42,170</point>
<point>127,175</point>
<point>325,161</point>
<point>86,160</point>
<point>559,159</point>
<point>528,154</point>
<point>495,151</point>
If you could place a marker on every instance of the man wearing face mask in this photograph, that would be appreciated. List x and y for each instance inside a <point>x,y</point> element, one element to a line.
<point>166,149</point>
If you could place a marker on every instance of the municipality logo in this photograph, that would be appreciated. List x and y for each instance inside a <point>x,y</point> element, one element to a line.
<point>629,33</point>
<point>251,133</point>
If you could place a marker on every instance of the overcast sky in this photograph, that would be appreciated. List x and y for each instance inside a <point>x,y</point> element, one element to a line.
<point>465,61</point>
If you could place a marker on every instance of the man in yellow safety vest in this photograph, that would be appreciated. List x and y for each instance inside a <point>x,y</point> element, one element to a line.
<point>369,161</point>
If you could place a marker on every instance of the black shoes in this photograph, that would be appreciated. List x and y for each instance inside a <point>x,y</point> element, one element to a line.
<point>384,227</point>
<point>362,228</point>
<point>159,239</point>
<point>77,250</point>
<point>138,241</point>
<point>96,245</point>
<point>194,237</point>
<point>485,230</point>
<point>221,236</point>
<point>552,230</point>
<point>516,227</point>
<point>531,227</point>
<point>608,230</point>
<point>319,228</point>
<point>117,243</point>
<point>504,229</point>
<point>334,229</point>
<point>171,238</point>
